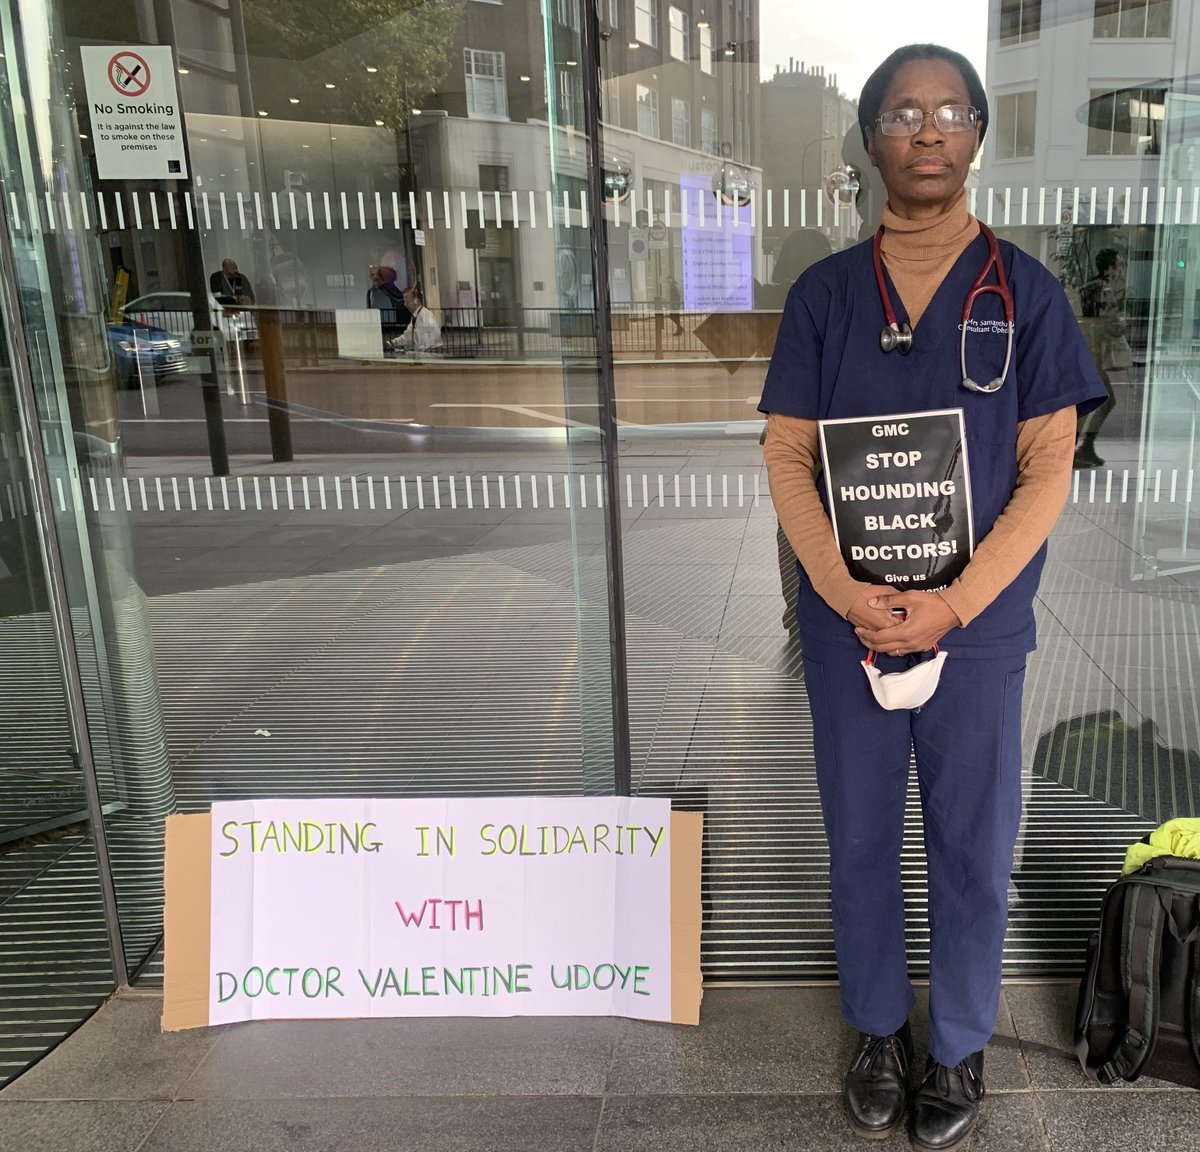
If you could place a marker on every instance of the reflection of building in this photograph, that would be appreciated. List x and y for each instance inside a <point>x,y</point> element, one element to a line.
<point>1080,94</point>
<point>804,121</point>
<point>309,138</point>
<point>1077,100</point>
<point>678,101</point>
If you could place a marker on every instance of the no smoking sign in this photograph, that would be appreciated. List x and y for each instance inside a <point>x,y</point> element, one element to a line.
<point>133,106</point>
<point>129,74</point>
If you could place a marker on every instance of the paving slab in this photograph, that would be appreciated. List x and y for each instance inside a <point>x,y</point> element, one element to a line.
<point>494,1124</point>
<point>74,1126</point>
<point>1108,1121</point>
<point>120,1054</point>
<point>1044,1018</point>
<point>413,1057</point>
<point>799,1122</point>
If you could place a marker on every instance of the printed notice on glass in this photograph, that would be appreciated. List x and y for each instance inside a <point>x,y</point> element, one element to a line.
<point>506,906</point>
<point>899,495</point>
<point>137,124</point>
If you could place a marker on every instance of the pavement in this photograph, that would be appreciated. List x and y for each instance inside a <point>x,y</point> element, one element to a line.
<point>762,1071</point>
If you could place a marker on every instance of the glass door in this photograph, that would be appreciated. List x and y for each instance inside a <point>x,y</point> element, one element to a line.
<point>70,357</point>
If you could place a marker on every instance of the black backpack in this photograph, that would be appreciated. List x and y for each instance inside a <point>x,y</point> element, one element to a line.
<point>1139,1001</point>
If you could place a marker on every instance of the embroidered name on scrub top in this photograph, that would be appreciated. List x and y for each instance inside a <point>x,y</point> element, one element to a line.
<point>899,495</point>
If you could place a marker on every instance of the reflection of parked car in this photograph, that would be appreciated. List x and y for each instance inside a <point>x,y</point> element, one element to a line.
<point>143,353</point>
<point>173,311</point>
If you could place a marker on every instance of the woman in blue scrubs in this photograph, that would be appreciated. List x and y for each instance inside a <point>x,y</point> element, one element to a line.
<point>923,115</point>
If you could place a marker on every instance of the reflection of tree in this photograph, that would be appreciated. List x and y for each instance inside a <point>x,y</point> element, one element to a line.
<point>407,41</point>
<point>1124,763</point>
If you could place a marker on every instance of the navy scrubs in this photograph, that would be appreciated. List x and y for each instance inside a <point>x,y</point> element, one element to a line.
<point>828,364</point>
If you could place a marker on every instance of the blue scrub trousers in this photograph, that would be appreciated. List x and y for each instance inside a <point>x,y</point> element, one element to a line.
<point>967,741</point>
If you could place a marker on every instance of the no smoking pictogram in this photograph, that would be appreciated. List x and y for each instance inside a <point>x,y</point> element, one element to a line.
<point>129,74</point>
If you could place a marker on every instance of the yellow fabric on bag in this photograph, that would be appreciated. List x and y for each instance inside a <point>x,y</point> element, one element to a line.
<point>1174,838</point>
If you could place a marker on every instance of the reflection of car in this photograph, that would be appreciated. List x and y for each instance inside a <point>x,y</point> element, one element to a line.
<point>143,353</point>
<point>173,311</point>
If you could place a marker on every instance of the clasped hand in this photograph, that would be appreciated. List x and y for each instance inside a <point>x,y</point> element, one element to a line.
<point>925,620</point>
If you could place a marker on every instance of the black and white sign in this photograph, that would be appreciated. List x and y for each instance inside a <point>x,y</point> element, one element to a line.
<point>900,496</point>
<point>137,126</point>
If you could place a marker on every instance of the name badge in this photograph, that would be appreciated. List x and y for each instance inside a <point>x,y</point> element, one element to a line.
<point>899,494</point>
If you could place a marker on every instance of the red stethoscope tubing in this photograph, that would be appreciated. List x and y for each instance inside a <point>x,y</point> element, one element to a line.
<point>978,288</point>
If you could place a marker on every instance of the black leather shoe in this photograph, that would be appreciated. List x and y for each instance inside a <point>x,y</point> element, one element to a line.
<point>946,1105</point>
<point>877,1083</point>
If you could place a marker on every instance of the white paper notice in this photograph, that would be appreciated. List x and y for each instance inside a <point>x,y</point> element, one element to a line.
<point>508,906</point>
<point>137,124</point>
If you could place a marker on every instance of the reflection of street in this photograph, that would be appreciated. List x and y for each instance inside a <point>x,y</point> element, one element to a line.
<point>332,400</point>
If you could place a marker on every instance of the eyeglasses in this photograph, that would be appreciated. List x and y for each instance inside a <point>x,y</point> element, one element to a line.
<point>910,121</point>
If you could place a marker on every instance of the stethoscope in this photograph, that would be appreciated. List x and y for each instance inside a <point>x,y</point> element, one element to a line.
<point>900,336</point>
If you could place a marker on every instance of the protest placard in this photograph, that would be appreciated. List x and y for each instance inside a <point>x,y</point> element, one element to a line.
<point>504,906</point>
<point>899,495</point>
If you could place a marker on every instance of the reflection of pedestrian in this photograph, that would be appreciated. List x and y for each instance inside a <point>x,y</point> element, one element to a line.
<point>674,303</point>
<point>384,295</point>
<point>229,285</point>
<point>922,115</point>
<point>1104,329</point>
<point>423,334</point>
<point>290,275</point>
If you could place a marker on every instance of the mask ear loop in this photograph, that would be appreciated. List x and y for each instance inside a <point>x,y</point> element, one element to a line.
<point>871,654</point>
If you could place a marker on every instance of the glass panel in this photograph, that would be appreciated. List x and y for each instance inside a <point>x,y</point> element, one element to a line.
<point>1108,18</point>
<point>1133,18</point>
<point>1158,18</point>
<point>1167,527</point>
<point>370,565</point>
<point>1026,123</point>
<point>784,182</point>
<point>645,22</point>
<point>76,358</point>
<point>1101,118</point>
<point>1010,21</point>
<point>357,510</point>
<point>1006,127</point>
<point>55,961</point>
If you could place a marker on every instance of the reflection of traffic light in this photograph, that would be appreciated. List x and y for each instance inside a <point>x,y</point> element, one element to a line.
<point>1181,254</point>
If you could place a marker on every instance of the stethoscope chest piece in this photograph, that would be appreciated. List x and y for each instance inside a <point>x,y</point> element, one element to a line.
<point>896,338</point>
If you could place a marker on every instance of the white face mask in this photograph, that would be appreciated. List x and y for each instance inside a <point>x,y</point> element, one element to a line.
<point>908,689</point>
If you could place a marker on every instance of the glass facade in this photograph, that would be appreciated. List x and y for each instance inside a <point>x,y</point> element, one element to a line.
<point>378,417</point>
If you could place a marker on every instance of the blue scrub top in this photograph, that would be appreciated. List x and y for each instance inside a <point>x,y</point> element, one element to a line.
<point>828,364</point>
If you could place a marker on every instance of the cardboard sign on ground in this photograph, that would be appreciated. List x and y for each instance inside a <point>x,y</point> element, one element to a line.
<point>300,909</point>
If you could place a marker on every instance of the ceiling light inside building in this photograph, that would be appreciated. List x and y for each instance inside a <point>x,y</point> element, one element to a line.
<point>572,63</point>
<point>330,85</point>
<point>372,68</point>
<point>524,79</point>
<point>262,113</point>
<point>183,71</point>
<point>293,99</point>
<point>633,43</point>
<point>378,123</point>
